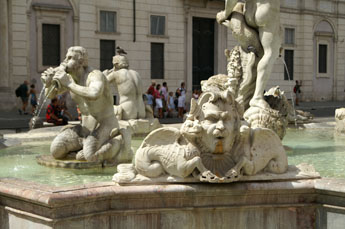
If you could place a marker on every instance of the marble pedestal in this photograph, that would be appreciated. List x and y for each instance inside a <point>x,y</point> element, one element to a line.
<point>311,203</point>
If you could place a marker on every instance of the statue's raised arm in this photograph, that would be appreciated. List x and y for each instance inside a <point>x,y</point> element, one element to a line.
<point>223,15</point>
<point>99,137</point>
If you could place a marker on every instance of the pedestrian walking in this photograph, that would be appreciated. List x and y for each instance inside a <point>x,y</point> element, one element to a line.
<point>22,92</point>
<point>297,91</point>
<point>33,98</point>
<point>181,100</point>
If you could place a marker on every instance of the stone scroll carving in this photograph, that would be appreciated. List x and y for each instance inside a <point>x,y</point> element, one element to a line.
<point>211,146</point>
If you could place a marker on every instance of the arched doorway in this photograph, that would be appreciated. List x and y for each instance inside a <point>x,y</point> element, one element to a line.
<point>323,61</point>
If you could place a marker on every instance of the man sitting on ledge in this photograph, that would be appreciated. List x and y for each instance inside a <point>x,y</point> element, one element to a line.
<point>53,114</point>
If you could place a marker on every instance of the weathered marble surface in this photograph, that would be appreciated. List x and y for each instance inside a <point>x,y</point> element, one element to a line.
<point>256,26</point>
<point>211,145</point>
<point>302,171</point>
<point>71,163</point>
<point>129,86</point>
<point>132,111</point>
<point>140,126</point>
<point>98,138</point>
<point>283,204</point>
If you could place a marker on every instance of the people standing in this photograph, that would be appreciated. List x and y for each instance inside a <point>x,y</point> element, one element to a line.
<point>297,91</point>
<point>151,88</point>
<point>181,100</point>
<point>22,92</point>
<point>170,104</point>
<point>159,102</point>
<point>33,98</point>
<point>164,92</point>
<point>196,94</point>
<point>150,98</point>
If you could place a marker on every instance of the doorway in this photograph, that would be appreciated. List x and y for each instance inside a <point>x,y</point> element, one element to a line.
<point>203,50</point>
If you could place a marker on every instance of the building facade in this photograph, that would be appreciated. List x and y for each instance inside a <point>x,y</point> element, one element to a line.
<point>167,40</point>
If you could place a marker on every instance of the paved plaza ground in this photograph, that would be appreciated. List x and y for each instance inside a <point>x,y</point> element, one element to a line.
<point>12,121</point>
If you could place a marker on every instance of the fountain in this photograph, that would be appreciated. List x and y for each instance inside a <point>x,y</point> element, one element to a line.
<point>167,184</point>
<point>99,139</point>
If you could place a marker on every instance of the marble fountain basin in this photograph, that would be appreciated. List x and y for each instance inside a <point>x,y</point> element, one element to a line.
<point>315,146</point>
<point>35,196</point>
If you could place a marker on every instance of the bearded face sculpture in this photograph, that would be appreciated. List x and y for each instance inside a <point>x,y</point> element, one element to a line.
<point>211,145</point>
<point>217,118</point>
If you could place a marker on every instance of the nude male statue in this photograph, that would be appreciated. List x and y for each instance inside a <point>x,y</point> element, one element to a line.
<point>129,87</point>
<point>99,137</point>
<point>262,15</point>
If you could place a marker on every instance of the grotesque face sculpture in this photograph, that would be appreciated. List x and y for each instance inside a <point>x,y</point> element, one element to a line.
<point>213,126</point>
<point>218,124</point>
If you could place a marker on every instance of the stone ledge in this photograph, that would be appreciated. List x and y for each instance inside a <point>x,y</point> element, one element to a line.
<point>126,176</point>
<point>205,204</point>
<point>61,196</point>
<point>48,160</point>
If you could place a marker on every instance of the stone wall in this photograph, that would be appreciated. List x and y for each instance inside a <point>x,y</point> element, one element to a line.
<point>304,17</point>
<point>21,54</point>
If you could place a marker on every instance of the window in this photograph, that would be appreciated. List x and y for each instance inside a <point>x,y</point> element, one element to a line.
<point>157,60</point>
<point>323,58</point>
<point>288,57</point>
<point>107,51</point>
<point>107,21</point>
<point>157,25</point>
<point>50,44</point>
<point>289,36</point>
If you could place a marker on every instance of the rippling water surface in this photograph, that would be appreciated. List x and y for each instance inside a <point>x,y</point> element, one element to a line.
<point>20,162</point>
<point>318,147</point>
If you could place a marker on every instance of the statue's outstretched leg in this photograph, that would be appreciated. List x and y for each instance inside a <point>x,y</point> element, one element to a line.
<point>270,40</point>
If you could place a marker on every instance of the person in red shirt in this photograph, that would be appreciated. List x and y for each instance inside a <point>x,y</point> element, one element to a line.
<point>158,99</point>
<point>53,114</point>
<point>151,88</point>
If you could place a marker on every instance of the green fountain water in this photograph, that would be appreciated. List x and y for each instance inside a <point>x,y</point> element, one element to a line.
<point>318,147</point>
<point>20,162</point>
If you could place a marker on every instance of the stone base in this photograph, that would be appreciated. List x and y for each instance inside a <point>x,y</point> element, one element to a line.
<point>140,127</point>
<point>266,118</point>
<point>126,176</point>
<point>48,160</point>
<point>316,203</point>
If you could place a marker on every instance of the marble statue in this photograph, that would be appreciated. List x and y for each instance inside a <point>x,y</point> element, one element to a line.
<point>99,138</point>
<point>256,25</point>
<point>211,146</point>
<point>340,121</point>
<point>129,87</point>
<point>131,111</point>
<point>276,118</point>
